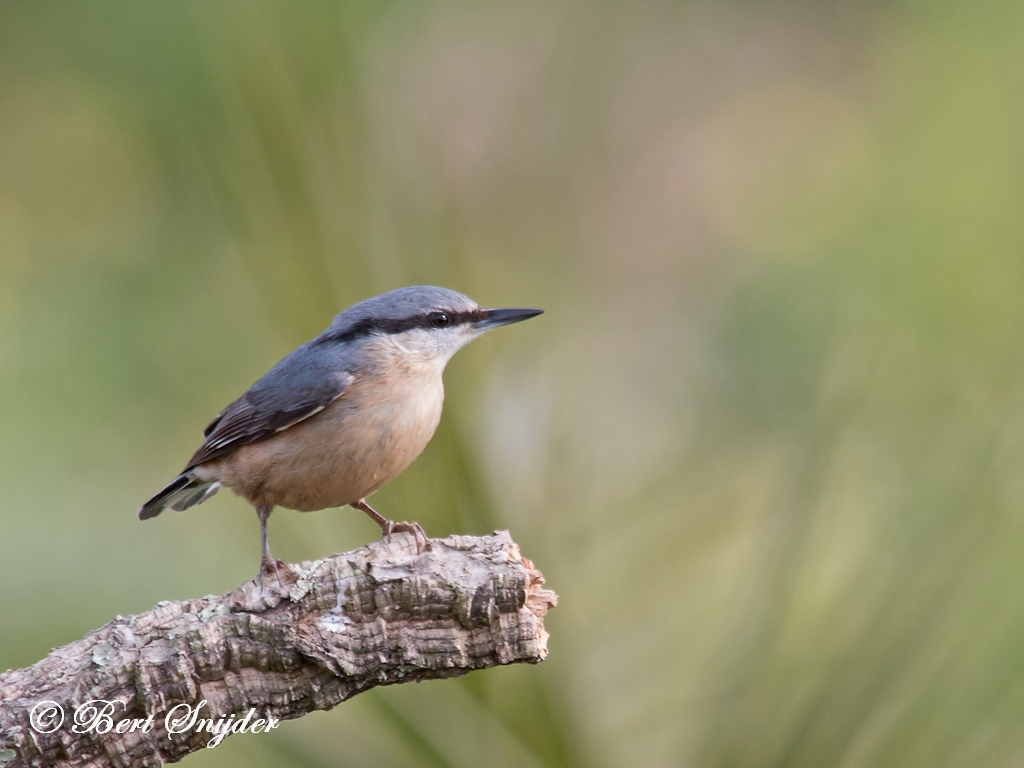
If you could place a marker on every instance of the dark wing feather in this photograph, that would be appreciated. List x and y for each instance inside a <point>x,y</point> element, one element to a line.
<point>293,390</point>
<point>213,424</point>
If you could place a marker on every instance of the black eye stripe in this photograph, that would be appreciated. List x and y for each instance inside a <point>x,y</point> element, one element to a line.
<point>368,326</point>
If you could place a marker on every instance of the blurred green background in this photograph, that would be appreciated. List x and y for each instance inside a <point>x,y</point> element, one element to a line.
<point>767,444</point>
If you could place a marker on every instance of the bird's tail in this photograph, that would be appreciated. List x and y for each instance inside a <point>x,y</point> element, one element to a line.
<point>181,493</point>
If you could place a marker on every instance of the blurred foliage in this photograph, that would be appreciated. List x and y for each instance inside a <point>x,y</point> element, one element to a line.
<point>767,444</point>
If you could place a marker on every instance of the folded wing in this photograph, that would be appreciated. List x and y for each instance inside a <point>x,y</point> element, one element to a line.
<point>287,395</point>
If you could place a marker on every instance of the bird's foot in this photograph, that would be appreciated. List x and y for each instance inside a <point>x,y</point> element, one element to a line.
<point>275,567</point>
<point>422,542</point>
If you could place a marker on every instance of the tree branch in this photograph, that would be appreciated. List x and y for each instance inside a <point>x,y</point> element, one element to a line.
<point>378,615</point>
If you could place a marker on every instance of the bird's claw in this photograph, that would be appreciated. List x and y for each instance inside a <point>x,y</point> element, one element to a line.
<point>422,542</point>
<point>274,566</point>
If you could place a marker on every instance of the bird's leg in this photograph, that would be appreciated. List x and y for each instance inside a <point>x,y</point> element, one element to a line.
<point>267,563</point>
<point>388,527</point>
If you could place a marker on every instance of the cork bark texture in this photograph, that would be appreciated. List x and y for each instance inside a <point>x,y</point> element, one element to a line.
<point>378,615</point>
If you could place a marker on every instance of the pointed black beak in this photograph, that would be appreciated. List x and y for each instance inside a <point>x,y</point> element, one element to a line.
<point>492,318</point>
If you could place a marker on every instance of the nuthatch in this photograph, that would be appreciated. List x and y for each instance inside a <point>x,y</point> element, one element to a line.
<point>341,415</point>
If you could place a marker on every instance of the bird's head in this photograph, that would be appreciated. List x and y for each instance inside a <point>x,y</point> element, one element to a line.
<point>422,324</point>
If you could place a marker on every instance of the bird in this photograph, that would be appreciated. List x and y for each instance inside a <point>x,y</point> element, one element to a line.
<point>341,415</point>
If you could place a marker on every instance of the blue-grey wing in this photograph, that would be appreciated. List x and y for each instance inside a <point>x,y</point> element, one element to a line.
<point>298,387</point>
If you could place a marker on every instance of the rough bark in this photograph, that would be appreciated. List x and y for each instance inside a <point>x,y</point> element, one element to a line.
<point>378,615</point>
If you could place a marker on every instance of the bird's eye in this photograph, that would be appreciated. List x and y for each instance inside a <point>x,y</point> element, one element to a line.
<point>440,320</point>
